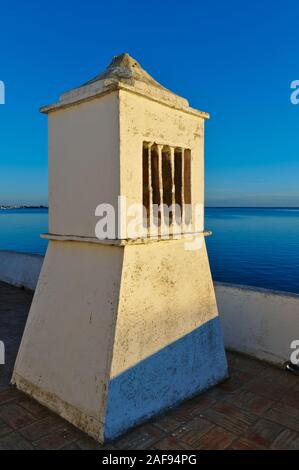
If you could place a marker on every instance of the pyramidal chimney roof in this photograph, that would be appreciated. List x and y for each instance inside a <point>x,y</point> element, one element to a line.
<point>126,73</point>
<point>123,68</point>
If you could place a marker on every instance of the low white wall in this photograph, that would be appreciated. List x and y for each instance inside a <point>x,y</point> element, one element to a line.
<point>20,269</point>
<point>258,322</point>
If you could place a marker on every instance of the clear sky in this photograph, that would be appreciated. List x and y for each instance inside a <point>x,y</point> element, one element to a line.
<point>234,59</point>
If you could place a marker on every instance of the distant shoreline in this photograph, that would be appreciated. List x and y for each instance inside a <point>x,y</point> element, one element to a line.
<point>251,207</point>
<point>4,207</point>
<point>7,207</point>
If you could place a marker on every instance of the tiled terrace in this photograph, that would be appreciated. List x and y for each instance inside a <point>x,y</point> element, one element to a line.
<point>257,408</point>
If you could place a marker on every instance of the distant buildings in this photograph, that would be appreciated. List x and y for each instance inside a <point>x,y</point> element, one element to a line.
<point>5,207</point>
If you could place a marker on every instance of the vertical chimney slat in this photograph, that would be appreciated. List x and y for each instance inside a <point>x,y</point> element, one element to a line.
<point>183,190</point>
<point>150,186</point>
<point>161,212</point>
<point>172,163</point>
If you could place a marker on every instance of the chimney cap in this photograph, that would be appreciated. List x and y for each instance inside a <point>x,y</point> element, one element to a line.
<point>123,72</point>
<point>125,68</point>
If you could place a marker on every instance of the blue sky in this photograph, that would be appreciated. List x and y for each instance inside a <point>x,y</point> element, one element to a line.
<point>234,59</point>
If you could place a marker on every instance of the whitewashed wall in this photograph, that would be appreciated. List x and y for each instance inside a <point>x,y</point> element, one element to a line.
<point>20,269</point>
<point>258,322</point>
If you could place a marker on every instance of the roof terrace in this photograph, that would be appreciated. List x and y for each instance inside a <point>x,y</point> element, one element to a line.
<point>257,408</point>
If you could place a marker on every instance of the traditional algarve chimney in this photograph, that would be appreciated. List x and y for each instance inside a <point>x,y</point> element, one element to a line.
<point>124,321</point>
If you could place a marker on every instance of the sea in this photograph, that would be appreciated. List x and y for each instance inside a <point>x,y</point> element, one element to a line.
<point>249,246</point>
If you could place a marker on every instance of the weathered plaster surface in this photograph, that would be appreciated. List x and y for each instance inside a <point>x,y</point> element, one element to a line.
<point>166,292</point>
<point>143,120</point>
<point>66,348</point>
<point>183,368</point>
<point>84,166</point>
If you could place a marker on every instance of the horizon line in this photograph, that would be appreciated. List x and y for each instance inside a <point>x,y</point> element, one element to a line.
<point>38,206</point>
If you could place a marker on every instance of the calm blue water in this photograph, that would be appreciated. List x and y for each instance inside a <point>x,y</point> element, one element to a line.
<point>257,247</point>
<point>20,230</point>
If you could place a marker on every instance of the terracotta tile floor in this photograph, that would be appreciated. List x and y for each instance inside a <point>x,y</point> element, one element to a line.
<point>257,408</point>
